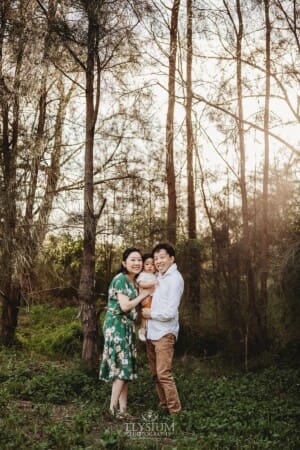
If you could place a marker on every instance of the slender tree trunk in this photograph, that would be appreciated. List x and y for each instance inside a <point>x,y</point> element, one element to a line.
<point>36,239</point>
<point>170,169</point>
<point>12,295</point>
<point>265,215</point>
<point>53,173</point>
<point>87,278</point>
<point>192,249</point>
<point>189,125</point>
<point>11,299</point>
<point>254,318</point>
<point>38,152</point>
<point>39,144</point>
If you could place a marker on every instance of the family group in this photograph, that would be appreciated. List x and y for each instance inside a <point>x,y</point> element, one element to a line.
<point>149,286</point>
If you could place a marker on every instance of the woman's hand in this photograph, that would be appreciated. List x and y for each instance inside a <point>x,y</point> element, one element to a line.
<point>127,305</point>
<point>150,285</point>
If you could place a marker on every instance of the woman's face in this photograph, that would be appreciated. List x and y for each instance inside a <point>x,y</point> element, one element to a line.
<point>133,263</point>
<point>149,265</point>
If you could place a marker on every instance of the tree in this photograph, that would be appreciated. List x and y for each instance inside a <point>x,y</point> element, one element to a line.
<point>192,247</point>
<point>31,154</point>
<point>254,321</point>
<point>98,41</point>
<point>189,125</point>
<point>10,93</point>
<point>265,216</point>
<point>291,17</point>
<point>87,278</point>
<point>170,169</point>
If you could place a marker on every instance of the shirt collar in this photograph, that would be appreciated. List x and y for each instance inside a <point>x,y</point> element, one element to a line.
<point>170,270</point>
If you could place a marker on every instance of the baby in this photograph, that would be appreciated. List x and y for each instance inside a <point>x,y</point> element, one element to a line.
<point>146,280</point>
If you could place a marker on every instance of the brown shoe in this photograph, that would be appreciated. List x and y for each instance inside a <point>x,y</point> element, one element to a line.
<point>174,413</point>
<point>162,406</point>
<point>124,416</point>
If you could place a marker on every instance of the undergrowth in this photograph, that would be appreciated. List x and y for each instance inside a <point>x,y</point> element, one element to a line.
<point>49,401</point>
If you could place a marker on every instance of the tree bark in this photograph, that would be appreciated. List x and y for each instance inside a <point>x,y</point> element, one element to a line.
<point>189,125</point>
<point>253,315</point>
<point>192,249</point>
<point>265,212</point>
<point>87,278</point>
<point>170,169</point>
<point>11,287</point>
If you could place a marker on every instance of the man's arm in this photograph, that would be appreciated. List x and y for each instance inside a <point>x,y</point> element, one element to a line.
<point>167,308</point>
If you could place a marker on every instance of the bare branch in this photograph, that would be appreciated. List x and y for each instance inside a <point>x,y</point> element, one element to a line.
<point>247,122</point>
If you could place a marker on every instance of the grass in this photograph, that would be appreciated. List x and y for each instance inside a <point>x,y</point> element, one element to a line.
<point>49,401</point>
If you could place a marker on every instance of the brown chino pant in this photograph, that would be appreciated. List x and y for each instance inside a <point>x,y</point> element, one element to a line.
<point>160,355</point>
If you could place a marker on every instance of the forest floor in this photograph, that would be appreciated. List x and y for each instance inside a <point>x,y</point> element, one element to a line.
<point>48,400</point>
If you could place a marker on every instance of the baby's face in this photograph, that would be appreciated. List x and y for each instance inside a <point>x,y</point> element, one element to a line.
<point>149,266</point>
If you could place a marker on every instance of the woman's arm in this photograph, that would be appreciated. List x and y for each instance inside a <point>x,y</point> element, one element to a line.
<point>127,305</point>
<point>148,284</point>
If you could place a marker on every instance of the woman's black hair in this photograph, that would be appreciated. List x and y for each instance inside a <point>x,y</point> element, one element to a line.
<point>125,255</point>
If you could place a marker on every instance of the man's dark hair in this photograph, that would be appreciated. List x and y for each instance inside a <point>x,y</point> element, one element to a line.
<point>164,246</point>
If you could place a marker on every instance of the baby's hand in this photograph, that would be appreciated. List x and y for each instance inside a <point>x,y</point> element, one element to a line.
<point>145,301</point>
<point>146,313</point>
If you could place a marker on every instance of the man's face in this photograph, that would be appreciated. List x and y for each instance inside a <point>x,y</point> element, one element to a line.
<point>163,261</point>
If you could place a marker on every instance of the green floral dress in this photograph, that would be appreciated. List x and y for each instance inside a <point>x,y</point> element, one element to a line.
<point>119,352</point>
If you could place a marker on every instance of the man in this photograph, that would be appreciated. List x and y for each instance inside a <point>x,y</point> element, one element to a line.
<point>163,326</point>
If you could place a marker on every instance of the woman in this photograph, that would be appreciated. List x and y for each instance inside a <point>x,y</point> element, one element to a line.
<point>119,354</point>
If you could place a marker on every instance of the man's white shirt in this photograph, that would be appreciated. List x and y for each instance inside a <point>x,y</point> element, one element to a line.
<point>165,304</point>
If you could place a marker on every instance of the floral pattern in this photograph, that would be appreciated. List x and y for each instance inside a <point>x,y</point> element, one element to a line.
<point>119,352</point>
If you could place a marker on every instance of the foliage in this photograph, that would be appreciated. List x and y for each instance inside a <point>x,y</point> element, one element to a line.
<point>57,271</point>
<point>51,331</point>
<point>58,268</point>
<point>55,403</point>
<point>290,284</point>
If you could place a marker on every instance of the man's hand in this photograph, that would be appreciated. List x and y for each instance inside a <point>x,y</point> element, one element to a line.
<point>146,313</point>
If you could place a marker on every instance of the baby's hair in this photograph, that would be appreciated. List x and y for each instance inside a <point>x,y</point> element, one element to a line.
<point>147,256</point>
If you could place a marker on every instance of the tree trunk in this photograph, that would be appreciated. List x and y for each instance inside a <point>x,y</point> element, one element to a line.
<point>192,248</point>
<point>189,125</point>
<point>38,151</point>
<point>87,277</point>
<point>253,315</point>
<point>35,235</point>
<point>265,213</point>
<point>10,312</point>
<point>53,173</point>
<point>11,297</point>
<point>170,169</point>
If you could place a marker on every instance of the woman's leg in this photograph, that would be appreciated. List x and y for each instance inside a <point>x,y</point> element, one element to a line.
<point>116,390</point>
<point>123,397</point>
